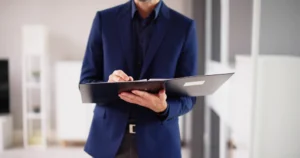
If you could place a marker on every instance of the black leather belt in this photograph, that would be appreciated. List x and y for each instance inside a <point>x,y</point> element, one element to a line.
<point>130,128</point>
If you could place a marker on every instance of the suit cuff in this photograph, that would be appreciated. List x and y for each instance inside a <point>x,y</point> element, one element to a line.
<point>164,115</point>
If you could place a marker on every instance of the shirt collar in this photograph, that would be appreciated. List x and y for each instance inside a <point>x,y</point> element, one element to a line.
<point>134,9</point>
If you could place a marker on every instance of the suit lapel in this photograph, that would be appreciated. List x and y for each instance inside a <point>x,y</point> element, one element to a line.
<point>160,29</point>
<point>125,31</point>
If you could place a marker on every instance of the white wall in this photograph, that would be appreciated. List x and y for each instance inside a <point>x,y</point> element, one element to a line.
<point>277,91</point>
<point>69,24</point>
<point>241,105</point>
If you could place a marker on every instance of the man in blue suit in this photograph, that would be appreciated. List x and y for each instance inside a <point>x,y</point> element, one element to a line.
<point>140,39</point>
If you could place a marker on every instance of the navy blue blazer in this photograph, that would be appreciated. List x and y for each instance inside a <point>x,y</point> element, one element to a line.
<point>172,53</point>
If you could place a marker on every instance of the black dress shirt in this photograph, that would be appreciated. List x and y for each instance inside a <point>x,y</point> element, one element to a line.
<point>142,33</point>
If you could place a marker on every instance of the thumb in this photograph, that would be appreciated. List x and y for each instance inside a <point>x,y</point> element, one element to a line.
<point>162,94</point>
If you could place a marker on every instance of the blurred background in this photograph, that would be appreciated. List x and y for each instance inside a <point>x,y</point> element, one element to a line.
<point>253,115</point>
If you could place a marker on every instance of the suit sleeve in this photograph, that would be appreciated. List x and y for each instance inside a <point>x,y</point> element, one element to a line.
<point>187,66</point>
<point>92,66</point>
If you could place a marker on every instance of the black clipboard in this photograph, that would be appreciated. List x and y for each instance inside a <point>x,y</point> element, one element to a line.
<point>193,86</point>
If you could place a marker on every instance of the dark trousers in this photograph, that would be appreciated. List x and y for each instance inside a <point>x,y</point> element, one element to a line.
<point>128,147</point>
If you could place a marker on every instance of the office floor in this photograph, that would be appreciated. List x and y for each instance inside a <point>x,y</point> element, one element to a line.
<point>54,152</point>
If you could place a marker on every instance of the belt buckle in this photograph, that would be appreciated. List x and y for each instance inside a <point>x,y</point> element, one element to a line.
<point>131,126</point>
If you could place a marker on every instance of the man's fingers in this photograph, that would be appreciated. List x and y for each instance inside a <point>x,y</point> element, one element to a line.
<point>142,94</point>
<point>121,74</point>
<point>127,99</point>
<point>131,78</point>
<point>131,98</point>
<point>114,78</point>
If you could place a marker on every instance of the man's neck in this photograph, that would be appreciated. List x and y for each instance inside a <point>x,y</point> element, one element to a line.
<point>145,7</point>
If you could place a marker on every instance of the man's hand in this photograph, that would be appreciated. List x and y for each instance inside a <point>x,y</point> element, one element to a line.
<point>155,102</point>
<point>119,76</point>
